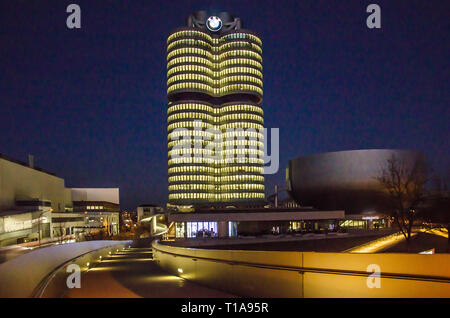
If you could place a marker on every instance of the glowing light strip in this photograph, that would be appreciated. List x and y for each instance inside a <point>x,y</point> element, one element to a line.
<point>379,244</point>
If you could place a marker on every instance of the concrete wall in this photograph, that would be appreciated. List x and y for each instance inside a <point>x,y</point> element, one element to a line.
<point>308,274</point>
<point>96,194</point>
<point>22,276</point>
<point>18,182</point>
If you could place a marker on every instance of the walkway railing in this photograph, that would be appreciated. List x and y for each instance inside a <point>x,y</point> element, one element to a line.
<point>309,274</point>
<point>28,275</point>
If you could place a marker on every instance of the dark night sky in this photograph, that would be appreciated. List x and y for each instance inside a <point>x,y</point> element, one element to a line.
<point>90,104</point>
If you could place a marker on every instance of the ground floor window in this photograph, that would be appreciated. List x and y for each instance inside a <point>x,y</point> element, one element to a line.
<point>298,226</point>
<point>354,224</point>
<point>232,229</point>
<point>201,229</point>
<point>179,229</point>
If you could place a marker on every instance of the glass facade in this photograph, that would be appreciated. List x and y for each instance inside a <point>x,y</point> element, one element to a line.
<point>201,229</point>
<point>232,229</point>
<point>215,119</point>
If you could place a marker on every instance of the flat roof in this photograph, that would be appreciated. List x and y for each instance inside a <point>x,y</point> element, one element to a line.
<point>269,215</point>
<point>22,163</point>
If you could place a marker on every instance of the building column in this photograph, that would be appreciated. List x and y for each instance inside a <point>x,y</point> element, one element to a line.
<point>222,228</point>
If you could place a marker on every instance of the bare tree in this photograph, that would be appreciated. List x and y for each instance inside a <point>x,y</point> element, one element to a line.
<point>404,181</point>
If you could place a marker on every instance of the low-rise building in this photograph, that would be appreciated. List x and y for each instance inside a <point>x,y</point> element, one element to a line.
<point>36,205</point>
<point>148,210</point>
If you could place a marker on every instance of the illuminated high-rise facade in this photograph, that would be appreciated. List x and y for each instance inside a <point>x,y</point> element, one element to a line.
<point>215,118</point>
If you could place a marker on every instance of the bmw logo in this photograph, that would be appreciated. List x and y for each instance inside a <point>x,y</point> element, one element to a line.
<point>214,24</point>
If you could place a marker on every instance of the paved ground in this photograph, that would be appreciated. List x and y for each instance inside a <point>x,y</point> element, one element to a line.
<point>132,273</point>
<point>330,243</point>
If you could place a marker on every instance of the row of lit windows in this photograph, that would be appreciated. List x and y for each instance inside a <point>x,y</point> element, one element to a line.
<point>217,171</point>
<point>217,179</point>
<point>195,134</point>
<point>243,151</point>
<point>216,110</point>
<point>238,134</point>
<point>246,160</point>
<point>214,57</point>
<point>191,115</point>
<point>214,82</point>
<point>191,196</point>
<point>239,53</point>
<point>219,48</point>
<point>191,124</point>
<point>189,42</point>
<point>191,50</point>
<point>240,177</point>
<point>243,125</point>
<point>245,142</point>
<point>183,134</point>
<point>217,197</point>
<point>191,151</point>
<point>241,87</point>
<point>239,186</point>
<point>216,151</point>
<point>190,59</point>
<point>189,33</point>
<point>94,207</point>
<point>231,156</point>
<point>192,68</point>
<point>187,187</point>
<point>217,161</point>
<point>197,86</point>
<point>241,108</point>
<point>240,70</point>
<point>241,117</point>
<point>247,169</point>
<point>217,143</point>
<point>194,169</point>
<point>190,106</point>
<point>192,178</point>
<point>215,66</point>
<point>241,78</point>
<point>191,76</point>
<point>212,162</point>
<point>215,91</point>
<point>183,160</point>
<point>239,35</point>
<point>198,69</point>
<point>216,119</point>
<point>189,142</point>
<point>209,39</point>
<point>229,134</point>
<point>217,154</point>
<point>240,44</point>
<point>210,188</point>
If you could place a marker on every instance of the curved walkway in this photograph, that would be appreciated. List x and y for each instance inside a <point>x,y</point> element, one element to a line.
<point>132,273</point>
